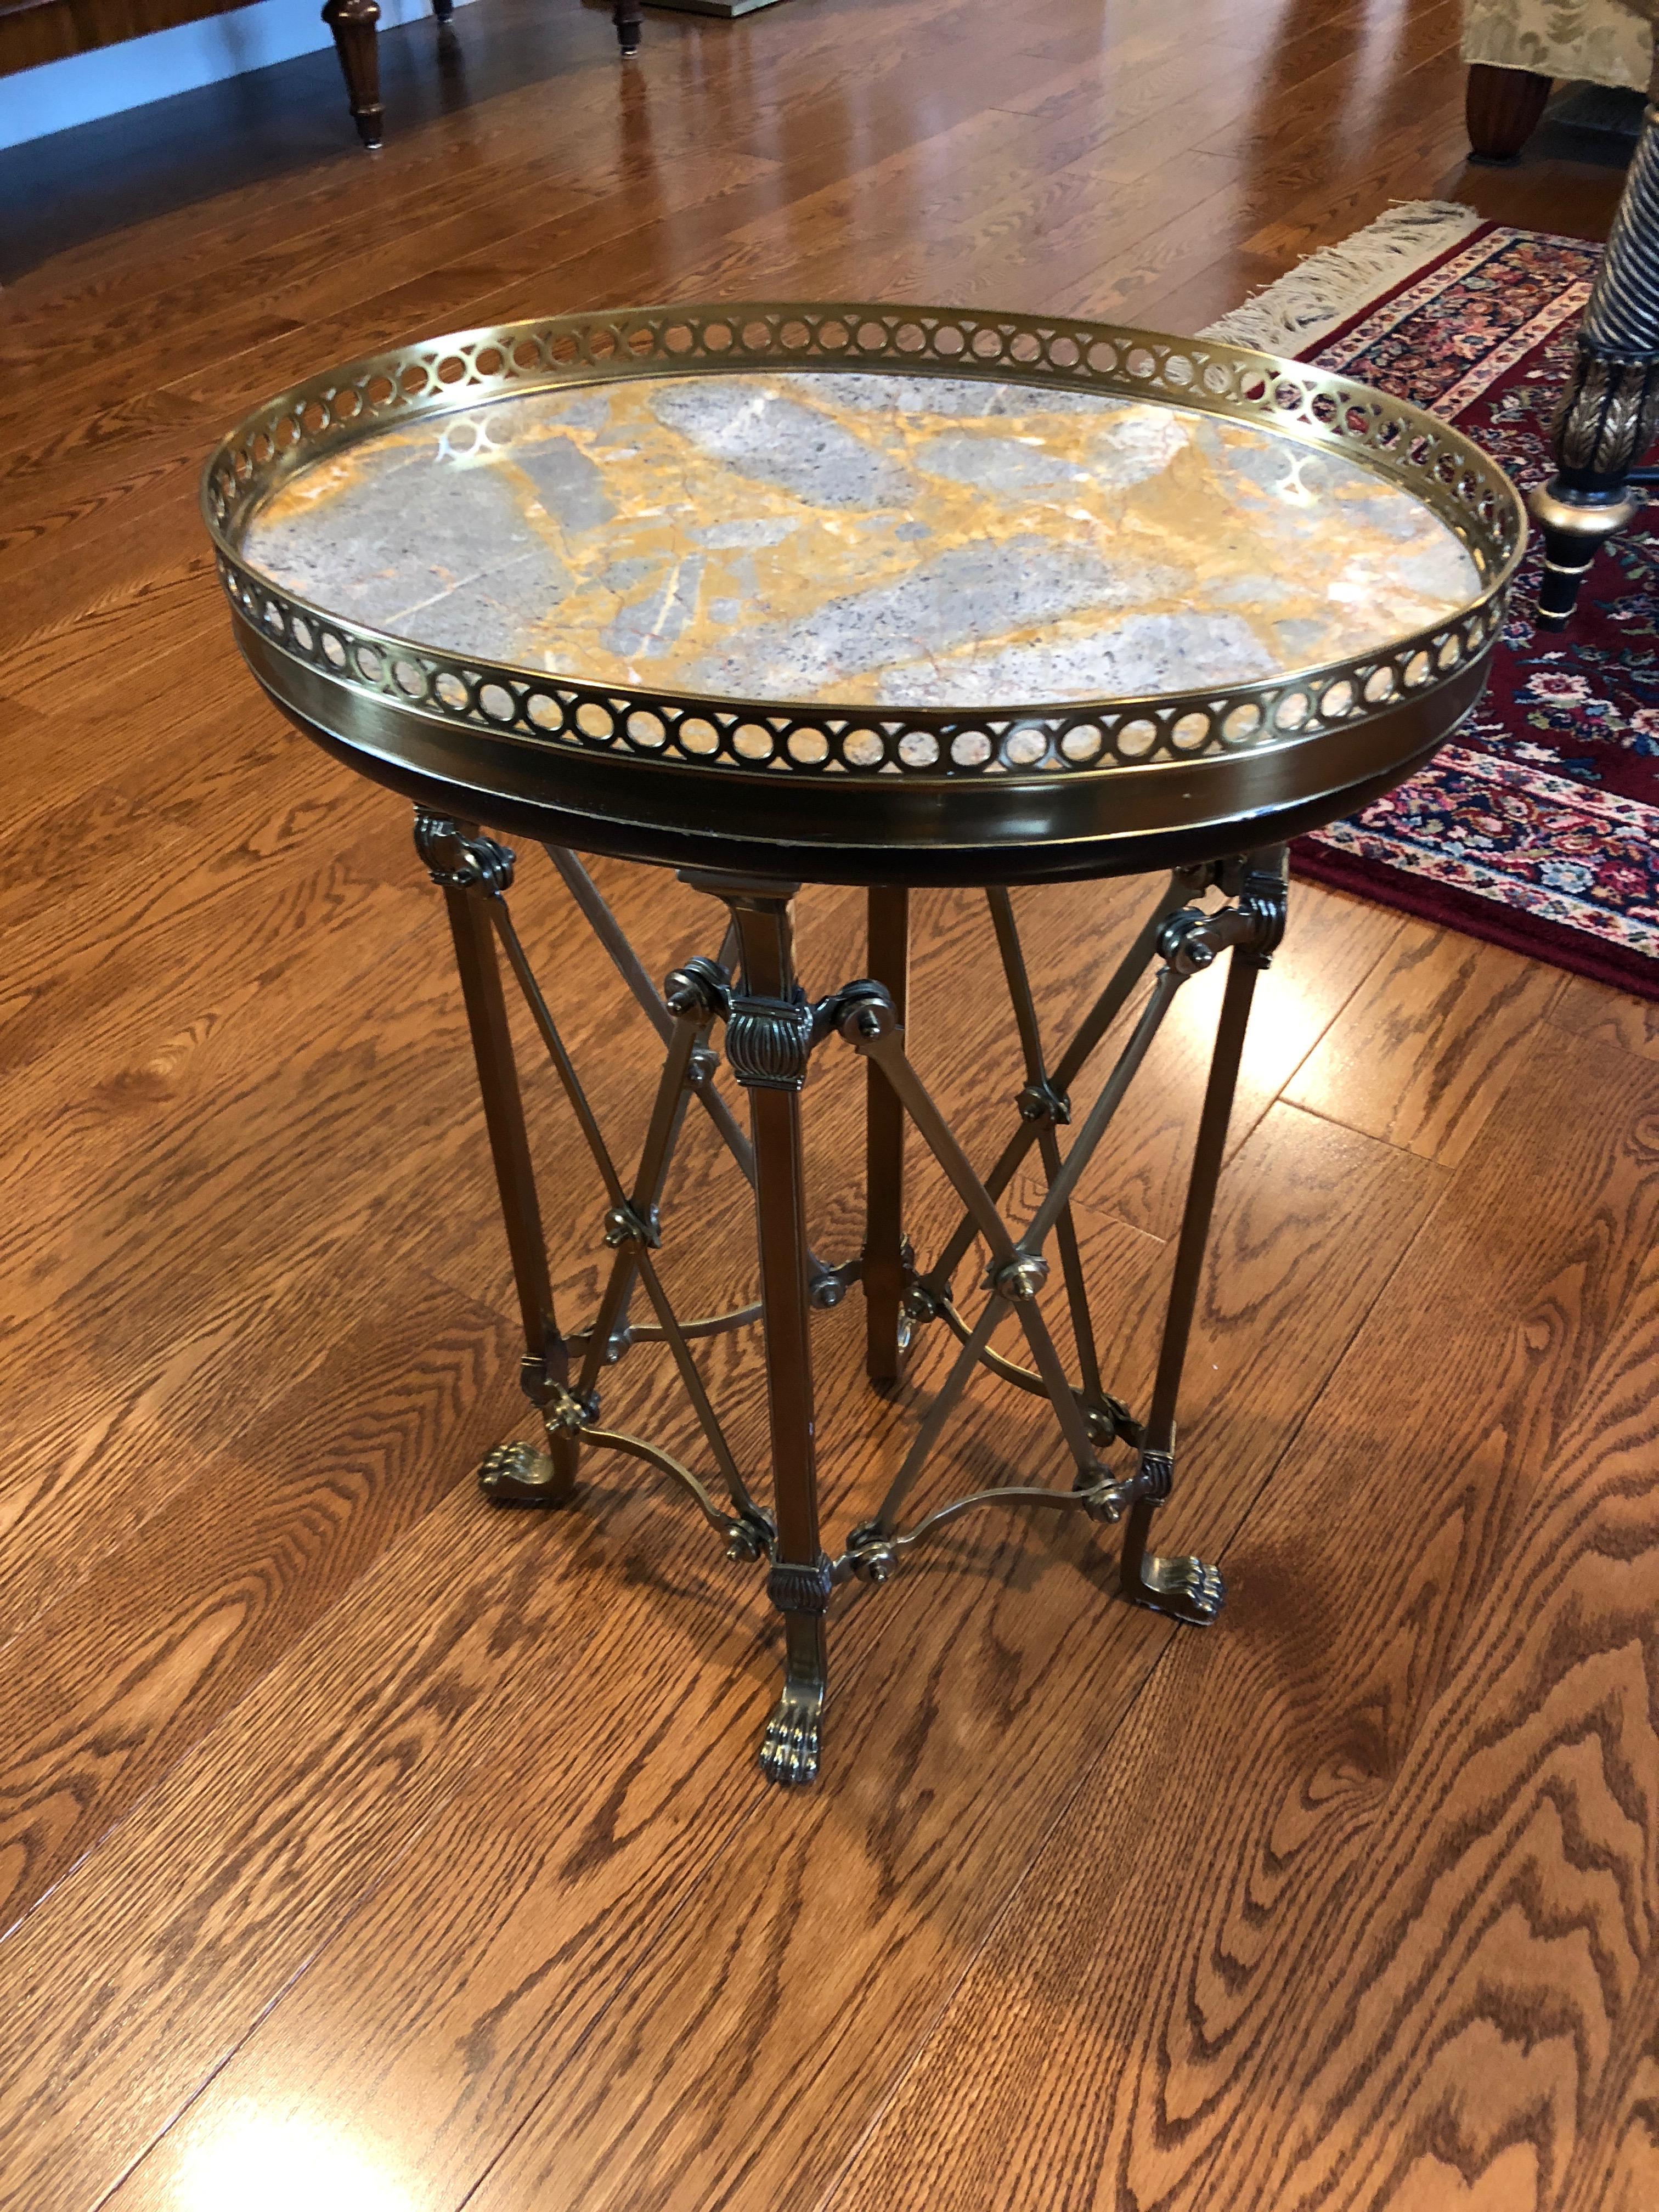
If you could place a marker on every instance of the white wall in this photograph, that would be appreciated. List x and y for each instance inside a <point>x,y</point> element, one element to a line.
<point>83,87</point>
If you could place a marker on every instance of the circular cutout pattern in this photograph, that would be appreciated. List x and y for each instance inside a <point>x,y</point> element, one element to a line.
<point>1468,494</point>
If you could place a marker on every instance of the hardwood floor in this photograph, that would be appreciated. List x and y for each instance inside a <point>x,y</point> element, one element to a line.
<point>363,1848</point>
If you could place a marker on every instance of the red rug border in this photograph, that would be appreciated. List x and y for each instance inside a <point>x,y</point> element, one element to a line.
<point>1340,331</point>
<point>1444,907</point>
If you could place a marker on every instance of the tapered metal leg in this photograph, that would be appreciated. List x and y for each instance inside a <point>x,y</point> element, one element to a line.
<point>769,1037</point>
<point>884,1272</point>
<point>473,870</point>
<point>1187,1588</point>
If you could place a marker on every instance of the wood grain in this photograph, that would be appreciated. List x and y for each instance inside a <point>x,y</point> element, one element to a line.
<point>1421,1053</point>
<point>1428,1855</point>
<point>1591,1010</point>
<point>360,1840</point>
<point>891,1879</point>
<point>110,1686</point>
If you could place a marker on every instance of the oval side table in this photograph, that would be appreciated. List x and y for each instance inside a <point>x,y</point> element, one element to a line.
<point>895,597</point>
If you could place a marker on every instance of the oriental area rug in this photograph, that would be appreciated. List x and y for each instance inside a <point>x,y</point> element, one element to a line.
<point>1538,826</point>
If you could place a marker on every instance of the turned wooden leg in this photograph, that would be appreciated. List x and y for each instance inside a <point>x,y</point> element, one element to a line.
<point>1502,107</point>
<point>352,22</point>
<point>626,16</point>
<point>1609,413</point>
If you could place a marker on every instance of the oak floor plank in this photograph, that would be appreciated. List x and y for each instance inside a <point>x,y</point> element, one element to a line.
<point>108,1688</point>
<point>1595,1013</point>
<point>190,1147</point>
<point>1332,945</point>
<point>848,1938</point>
<point>1282,2030</point>
<point>1421,1054</point>
<point>314,1891</point>
<point>123,1992</point>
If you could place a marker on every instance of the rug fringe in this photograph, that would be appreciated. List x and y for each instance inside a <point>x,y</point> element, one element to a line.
<point>1291,315</point>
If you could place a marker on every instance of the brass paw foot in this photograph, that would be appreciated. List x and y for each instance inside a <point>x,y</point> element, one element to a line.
<point>1186,1588</point>
<point>789,1748</point>
<point>519,1475</point>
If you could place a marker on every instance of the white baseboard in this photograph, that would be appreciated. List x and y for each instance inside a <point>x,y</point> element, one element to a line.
<point>107,82</point>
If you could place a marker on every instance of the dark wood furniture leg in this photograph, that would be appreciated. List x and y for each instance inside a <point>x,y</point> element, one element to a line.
<point>626,15</point>
<point>352,22</point>
<point>1610,412</point>
<point>1502,107</point>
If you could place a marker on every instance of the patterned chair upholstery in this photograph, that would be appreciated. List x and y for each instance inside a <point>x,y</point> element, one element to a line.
<point>1606,41</point>
<point>1516,48</point>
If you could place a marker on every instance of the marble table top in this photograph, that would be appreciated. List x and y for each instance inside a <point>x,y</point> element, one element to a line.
<point>863,539</point>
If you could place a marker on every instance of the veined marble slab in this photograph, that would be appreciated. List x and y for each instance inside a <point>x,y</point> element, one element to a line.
<point>863,539</point>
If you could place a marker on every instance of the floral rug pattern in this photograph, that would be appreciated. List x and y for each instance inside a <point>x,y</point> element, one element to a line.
<point>1538,828</point>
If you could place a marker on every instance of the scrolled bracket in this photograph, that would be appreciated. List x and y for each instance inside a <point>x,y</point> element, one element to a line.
<point>460,862</point>
<point>1192,940</point>
<point>1265,902</point>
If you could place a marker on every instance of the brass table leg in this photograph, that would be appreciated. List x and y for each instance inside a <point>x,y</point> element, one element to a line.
<point>886,1262</point>
<point>770,1031</point>
<point>473,870</point>
<point>768,1038</point>
<point>1187,1588</point>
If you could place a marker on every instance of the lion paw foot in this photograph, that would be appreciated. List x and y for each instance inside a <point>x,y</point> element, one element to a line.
<point>519,1475</point>
<point>1188,1590</point>
<point>789,1748</point>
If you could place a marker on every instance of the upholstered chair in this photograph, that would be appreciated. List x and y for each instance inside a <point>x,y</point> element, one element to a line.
<point>1515,48</point>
